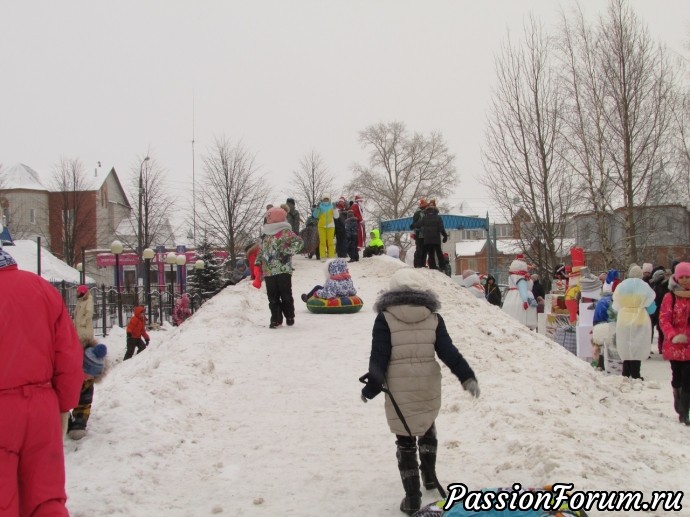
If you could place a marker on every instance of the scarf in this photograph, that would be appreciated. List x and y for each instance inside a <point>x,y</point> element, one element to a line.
<point>341,276</point>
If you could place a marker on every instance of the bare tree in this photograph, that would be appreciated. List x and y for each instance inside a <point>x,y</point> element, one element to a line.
<point>74,212</point>
<point>637,105</point>
<point>584,128</point>
<point>682,147</point>
<point>402,168</point>
<point>523,150</point>
<point>148,180</point>
<point>311,180</point>
<point>232,196</point>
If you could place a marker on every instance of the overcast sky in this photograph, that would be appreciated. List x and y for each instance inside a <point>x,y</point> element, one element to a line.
<point>107,81</point>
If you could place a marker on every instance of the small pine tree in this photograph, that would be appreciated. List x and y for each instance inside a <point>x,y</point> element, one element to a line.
<point>208,281</point>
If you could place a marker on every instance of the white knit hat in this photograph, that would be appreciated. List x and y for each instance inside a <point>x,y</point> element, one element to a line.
<point>407,279</point>
<point>635,271</point>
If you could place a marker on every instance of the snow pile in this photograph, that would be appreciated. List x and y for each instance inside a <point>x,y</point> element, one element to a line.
<point>25,253</point>
<point>226,416</point>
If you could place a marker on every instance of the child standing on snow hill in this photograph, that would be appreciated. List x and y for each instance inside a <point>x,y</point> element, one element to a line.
<point>181,311</point>
<point>94,362</point>
<point>136,329</point>
<point>407,335</point>
<point>338,283</point>
<point>278,246</point>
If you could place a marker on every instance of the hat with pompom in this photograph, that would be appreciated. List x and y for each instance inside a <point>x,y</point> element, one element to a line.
<point>94,359</point>
<point>276,215</point>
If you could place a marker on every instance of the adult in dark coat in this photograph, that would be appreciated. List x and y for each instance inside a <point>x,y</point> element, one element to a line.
<point>659,283</point>
<point>493,291</point>
<point>537,288</point>
<point>432,229</point>
<point>419,251</point>
<point>293,216</point>
<point>340,232</point>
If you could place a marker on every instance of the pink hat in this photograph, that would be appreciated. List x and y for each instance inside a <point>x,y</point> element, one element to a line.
<point>682,269</point>
<point>276,215</point>
<point>82,289</point>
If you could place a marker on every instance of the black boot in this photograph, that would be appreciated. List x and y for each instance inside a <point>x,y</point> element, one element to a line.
<point>409,473</point>
<point>676,401</point>
<point>427,460</point>
<point>684,406</point>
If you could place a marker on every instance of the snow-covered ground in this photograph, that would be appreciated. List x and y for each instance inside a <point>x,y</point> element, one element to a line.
<point>226,416</point>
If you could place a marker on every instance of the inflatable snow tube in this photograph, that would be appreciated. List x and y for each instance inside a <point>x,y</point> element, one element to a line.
<point>524,496</point>
<point>337,305</point>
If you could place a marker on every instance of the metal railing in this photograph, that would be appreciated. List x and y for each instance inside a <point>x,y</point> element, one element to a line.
<point>105,304</point>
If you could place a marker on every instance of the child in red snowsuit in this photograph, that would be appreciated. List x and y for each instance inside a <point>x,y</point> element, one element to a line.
<point>136,329</point>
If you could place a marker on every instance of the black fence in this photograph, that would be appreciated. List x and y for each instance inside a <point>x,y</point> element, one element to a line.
<point>107,304</point>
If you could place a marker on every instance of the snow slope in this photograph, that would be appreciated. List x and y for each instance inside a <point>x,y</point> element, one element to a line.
<point>226,416</point>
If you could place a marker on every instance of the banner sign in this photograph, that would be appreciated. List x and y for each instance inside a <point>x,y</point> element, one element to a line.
<point>108,259</point>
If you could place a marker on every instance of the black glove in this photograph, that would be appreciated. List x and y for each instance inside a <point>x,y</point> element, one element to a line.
<point>370,390</point>
<point>445,238</point>
<point>147,340</point>
<point>472,386</point>
<point>129,335</point>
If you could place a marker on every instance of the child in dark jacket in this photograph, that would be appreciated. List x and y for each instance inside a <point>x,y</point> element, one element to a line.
<point>352,231</point>
<point>408,334</point>
<point>136,330</point>
<point>277,248</point>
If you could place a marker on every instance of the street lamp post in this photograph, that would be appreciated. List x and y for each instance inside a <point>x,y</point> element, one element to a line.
<point>116,248</point>
<point>140,240</point>
<point>80,268</point>
<point>171,259</point>
<point>198,266</point>
<point>148,254</point>
<point>181,261</point>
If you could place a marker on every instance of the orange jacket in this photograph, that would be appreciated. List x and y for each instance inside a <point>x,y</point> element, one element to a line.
<point>137,324</point>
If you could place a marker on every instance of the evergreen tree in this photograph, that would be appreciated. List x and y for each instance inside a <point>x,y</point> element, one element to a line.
<point>207,281</point>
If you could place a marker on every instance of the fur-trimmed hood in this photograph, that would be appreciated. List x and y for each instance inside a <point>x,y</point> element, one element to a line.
<point>407,297</point>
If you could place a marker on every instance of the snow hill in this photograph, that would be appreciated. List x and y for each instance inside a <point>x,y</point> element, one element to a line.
<point>226,416</point>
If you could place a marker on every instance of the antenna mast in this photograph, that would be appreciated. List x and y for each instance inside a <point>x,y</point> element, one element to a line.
<point>193,180</point>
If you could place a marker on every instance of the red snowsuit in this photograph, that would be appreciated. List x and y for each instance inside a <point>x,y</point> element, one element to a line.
<point>361,231</point>
<point>40,377</point>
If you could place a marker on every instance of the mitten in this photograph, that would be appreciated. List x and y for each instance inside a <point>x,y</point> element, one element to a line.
<point>472,386</point>
<point>445,238</point>
<point>680,338</point>
<point>370,390</point>
<point>148,340</point>
<point>525,305</point>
